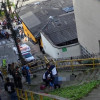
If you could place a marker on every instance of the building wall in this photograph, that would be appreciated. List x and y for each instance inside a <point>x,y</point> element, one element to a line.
<point>87,15</point>
<point>28,33</point>
<point>56,52</point>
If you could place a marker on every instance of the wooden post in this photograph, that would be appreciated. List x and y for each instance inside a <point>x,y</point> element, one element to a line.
<point>32,96</point>
<point>72,65</point>
<point>21,93</point>
<point>18,94</point>
<point>93,64</point>
<point>26,97</point>
<point>41,97</point>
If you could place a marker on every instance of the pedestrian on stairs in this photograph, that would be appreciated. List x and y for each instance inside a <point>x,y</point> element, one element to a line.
<point>26,73</point>
<point>10,88</point>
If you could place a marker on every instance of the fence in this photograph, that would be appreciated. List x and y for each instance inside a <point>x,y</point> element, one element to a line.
<point>71,64</point>
<point>29,95</point>
<point>78,62</point>
<point>74,64</point>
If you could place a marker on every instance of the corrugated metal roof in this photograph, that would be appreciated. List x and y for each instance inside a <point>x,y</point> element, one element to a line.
<point>62,32</point>
<point>37,16</point>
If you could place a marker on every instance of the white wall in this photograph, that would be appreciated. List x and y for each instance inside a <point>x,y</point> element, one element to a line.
<point>14,1</point>
<point>56,52</point>
<point>87,14</point>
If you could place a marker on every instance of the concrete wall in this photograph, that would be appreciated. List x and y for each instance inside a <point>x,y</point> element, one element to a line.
<point>87,14</point>
<point>56,52</point>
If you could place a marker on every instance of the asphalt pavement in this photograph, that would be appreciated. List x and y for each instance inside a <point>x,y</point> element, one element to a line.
<point>6,51</point>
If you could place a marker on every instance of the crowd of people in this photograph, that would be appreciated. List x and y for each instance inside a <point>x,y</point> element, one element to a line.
<point>50,78</point>
<point>4,25</point>
<point>3,32</point>
<point>17,73</point>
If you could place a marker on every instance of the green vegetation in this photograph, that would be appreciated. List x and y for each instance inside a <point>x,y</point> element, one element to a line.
<point>2,13</point>
<point>75,92</point>
<point>13,5</point>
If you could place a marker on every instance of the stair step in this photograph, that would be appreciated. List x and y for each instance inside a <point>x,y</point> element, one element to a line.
<point>91,98</point>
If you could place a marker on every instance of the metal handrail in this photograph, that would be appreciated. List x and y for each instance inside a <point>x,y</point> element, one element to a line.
<point>25,94</point>
<point>73,63</point>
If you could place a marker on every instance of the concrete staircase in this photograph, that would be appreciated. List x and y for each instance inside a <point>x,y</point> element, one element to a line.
<point>81,77</point>
<point>94,95</point>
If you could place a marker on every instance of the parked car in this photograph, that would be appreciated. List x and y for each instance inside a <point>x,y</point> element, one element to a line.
<point>23,48</point>
<point>28,56</point>
<point>68,9</point>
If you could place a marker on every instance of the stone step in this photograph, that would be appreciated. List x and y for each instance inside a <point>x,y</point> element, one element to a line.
<point>91,98</point>
<point>94,95</point>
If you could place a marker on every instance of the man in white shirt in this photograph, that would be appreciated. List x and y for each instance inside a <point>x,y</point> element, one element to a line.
<point>51,69</point>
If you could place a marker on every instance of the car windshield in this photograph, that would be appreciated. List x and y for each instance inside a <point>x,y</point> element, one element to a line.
<point>27,55</point>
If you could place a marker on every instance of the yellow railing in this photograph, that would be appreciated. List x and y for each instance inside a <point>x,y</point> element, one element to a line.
<point>29,95</point>
<point>92,62</point>
<point>89,62</point>
<point>72,64</point>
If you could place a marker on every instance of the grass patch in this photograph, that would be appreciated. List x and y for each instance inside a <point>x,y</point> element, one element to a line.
<point>75,92</point>
<point>2,13</point>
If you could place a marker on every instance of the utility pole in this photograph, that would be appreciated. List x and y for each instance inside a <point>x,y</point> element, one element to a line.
<point>9,24</point>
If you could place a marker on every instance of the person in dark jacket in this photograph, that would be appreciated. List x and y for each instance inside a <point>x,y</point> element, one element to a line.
<point>9,69</point>
<point>53,74</point>
<point>10,88</point>
<point>17,78</point>
<point>26,73</point>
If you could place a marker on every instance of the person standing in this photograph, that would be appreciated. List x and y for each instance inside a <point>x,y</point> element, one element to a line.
<point>9,69</point>
<point>26,73</point>
<point>17,78</point>
<point>10,88</point>
<point>12,68</point>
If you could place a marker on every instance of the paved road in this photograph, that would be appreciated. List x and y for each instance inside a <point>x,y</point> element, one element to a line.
<point>6,51</point>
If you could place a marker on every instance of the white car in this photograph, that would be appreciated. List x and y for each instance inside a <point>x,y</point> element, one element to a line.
<point>28,56</point>
<point>23,48</point>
